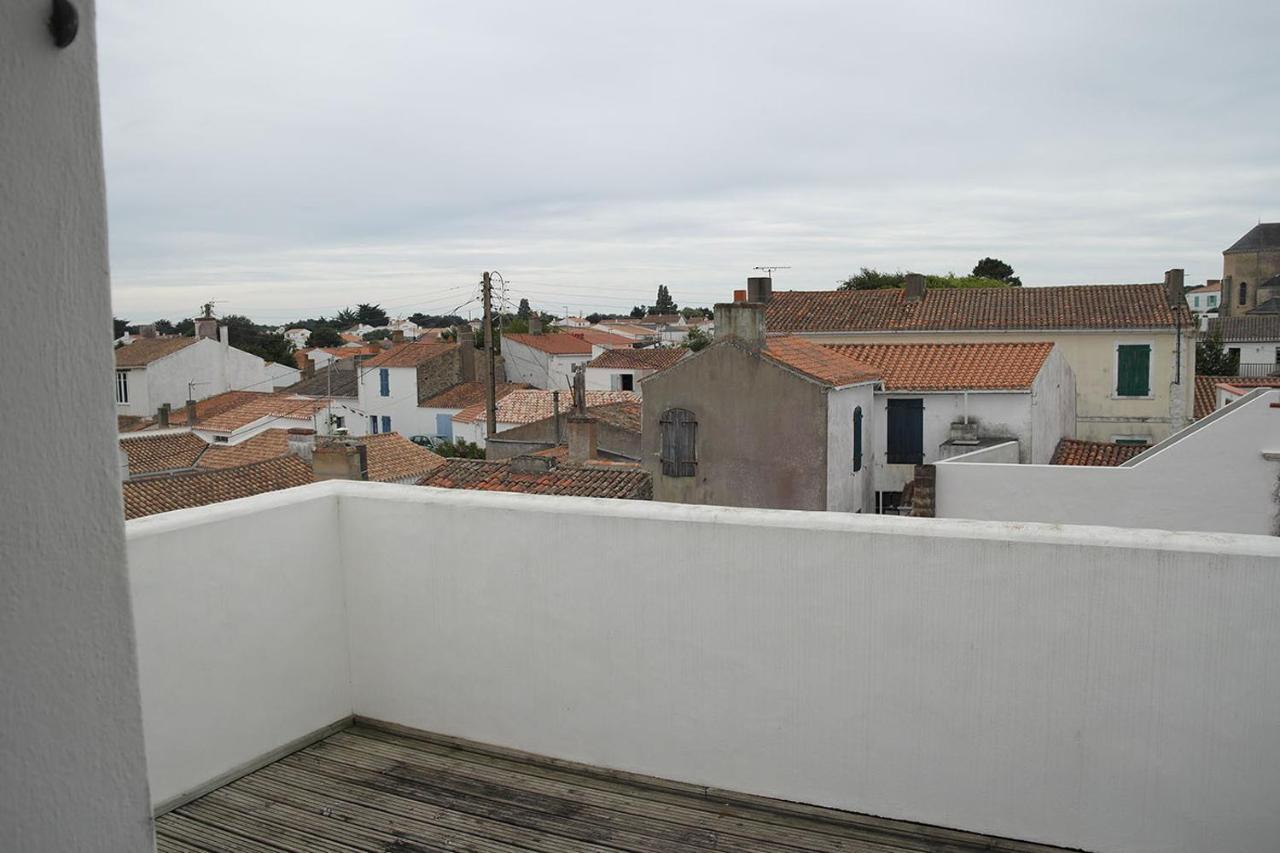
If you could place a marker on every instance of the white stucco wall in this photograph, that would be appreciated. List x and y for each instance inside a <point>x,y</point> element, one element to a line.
<point>1030,681</point>
<point>1053,408</point>
<point>241,628</point>
<point>847,490</point>
<point>1255,352</point>
<point>606,378</point>
<point>401,402</point>
<point>1212,478</point>
<point>526,364</point>
<point>213,367</point>
<point>72,769</point>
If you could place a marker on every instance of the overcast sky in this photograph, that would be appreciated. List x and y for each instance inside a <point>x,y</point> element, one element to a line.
<point>288,158</point>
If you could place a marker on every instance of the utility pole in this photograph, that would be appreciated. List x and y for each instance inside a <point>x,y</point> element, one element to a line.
<point>490,398</point>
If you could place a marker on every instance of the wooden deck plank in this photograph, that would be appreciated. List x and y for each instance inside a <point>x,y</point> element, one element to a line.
<point>378,788</point>
<point>697,827</point>
<point>703,814</point>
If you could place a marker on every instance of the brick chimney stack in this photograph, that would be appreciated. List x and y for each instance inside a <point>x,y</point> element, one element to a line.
<point>1173,281</point>
<point>191,413</point>
<point>302,443</point>
<point>466,353</point>
<point>162,416</point>
<point>339,459</point>
<point>742,321</point>
<point>914,285</point>
<point>397,336</point>
<point>582,438</point>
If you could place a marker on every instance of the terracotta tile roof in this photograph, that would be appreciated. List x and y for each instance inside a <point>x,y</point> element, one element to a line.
<point>132,423</point>
<point>1073,451</point>
<point>1250,327</point>
<point>175,451</point>
<point>818,362</point>
<point>261,406</point>
<point>215,405</point>
<point>555,344</point>
<point>528,405</point>
<point>1118,306</point>
<point>1207,389</point>
<point>658,358</point>
<point>410,354</point>
<point>600,337</point>
<point>179,491</point>
<point>952,367</point>
<point>1215,287</point>
<point>268,444</point>
<point>392,457</point>
<point>625,415</point>
<point>143,351</point>
<point>468,394</point>
<point>589,481</point>
<point>629,329</point>
<point>337,379</point>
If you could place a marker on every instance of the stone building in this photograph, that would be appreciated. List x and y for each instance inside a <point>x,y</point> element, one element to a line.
<point>1251,271</point>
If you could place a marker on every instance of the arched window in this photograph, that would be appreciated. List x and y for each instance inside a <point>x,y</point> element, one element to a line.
<point>1244,293</point>
<point>857,439</point>
<point>679,430</point>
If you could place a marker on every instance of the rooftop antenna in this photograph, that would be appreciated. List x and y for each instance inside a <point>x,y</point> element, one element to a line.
<point>770,269</point>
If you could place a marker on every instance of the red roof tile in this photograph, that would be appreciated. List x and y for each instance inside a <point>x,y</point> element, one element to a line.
<point>152,453</point>
<point>143,351</point>
<point>1072,451</point>
<point>952,367</point>
<point>591,481</point>
<point>275,406</point>
<point>658,358</point>
<point>554,344</point>
<point>1119,306</point>
<point>466,394</point>
<point>534,404</point>
<point>180,491</point>
<point>1207,389</point>
<point>391,457</point>
<point>818,362</point>
<point>410,354</point>
<point>599,337</point>
<point>268,444</point>
<point>215,405</point>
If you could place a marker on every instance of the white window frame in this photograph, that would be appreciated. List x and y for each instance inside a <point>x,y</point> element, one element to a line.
<point>1151,368</point>
<point>122,384</point>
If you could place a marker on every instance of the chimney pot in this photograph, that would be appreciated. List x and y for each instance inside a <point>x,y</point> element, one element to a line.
<point>302,443</point>
<point>191,413</point>
<point>582,438</point>
<point>759,289</point>
<point>1173,281</point>
<point>308,367</point>
<point>162,416</point>
<point>914,285</point>
<point>397,336</point>
<point>742,321</point>
<point>206,327</point>
<point>535,324</point>
<point>339,459</point>
<point>739,296</point>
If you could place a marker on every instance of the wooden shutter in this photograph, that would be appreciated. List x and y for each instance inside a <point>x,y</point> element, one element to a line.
<point>1133,365</point>
<point>906,432</point>
<point>679,430</point>
<point>857,439</point>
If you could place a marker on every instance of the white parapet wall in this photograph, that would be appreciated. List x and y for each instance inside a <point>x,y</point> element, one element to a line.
<point>1218,475</point>
<point>1113,690</point>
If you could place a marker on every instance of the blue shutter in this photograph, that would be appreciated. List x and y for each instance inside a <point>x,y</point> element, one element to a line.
<point>444,426</point>
<point>386,423</point>
<point>906,432</point>
<point>384,382</point>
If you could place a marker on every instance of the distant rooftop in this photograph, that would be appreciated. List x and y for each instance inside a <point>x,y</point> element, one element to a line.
<point>410,354</point>
<point>1072,451</point>
<point>182,491</point>
<point>519,474</point>
<point>1207,393</point>
<point>658,358</point>
<point>1263,237</point>
<point>465,394</point>
<point>952,367</point>
<point>559,343</point>
<point>818,362</point>
<point>1248,327</point>
<point>533,404</point>
<point>143,351</point>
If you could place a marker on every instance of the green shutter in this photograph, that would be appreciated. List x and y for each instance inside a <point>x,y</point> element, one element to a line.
<point>1133,367</point>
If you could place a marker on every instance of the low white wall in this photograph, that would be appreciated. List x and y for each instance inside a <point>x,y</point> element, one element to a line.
<point>1111,690</point>
<point>241,629</point>
<point>1211,478</point>
<point>1005,453</point>
<point>1106,689</point>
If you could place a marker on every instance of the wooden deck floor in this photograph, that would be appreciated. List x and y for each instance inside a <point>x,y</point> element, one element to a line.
<point>370,789</point>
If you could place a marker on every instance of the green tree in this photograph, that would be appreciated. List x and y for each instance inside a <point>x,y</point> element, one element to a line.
<point>997,269</point>
<point>1212,359</point>
<point>638,312</point>
<point>324,336</point>
<point>524,312</point>
<point>665,304</point>
<point>345,318</point>
<point>371,315</point>
<point>262,341</point>
<point>164,327</point>
<point>118,327</point>
<point>376,335</point>
<point>459,449</point>
<point>697,340</point>
<point>872,279</point>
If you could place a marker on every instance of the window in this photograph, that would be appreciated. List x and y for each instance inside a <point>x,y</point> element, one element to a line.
<point>1133,370</point>
<point>1131,440</point>
<point>373,424</point>
<point>1244,293</point>
<point>1277,355</point>
<point>857,439</point>
<point>122,386</point>
<point>339,422</point>
<point>384,382</point>
<point>627,381</point>
<point>386,423</point>
<point>1213,300</point>
<point>906,432</point>
<point>679,430</point>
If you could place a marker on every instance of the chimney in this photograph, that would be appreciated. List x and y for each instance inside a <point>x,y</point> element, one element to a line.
<point>302,442</point>
<point>739,296</point>
<point>338,459</point>
<point>759,289</point>
<point>743,321</point>
<point>529,464</point>
<point>1173,280</point>
<point>582,438</point>
<point>147,331</point>
<point>535,324</point>
<point>224,335</point>
<point>397,336</point>
<point>914,286</point>
<point>191,413</point>
<point>206,327</point>
<point>308,367</point>
<point>467,353</point>
<point>162,416</point>
<point>1226,296</point>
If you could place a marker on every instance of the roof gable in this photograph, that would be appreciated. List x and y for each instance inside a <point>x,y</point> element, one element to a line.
<point>143,351</point>
<point>818,363</point>
<point>1263,237</point>
<point>410,354</point>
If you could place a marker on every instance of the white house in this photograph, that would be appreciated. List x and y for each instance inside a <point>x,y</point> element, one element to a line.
<point>393,382</point>
<point>297,337</point>
<point>622,369</point>
<point>440,408</point>
<point>544,361</point>
<point>151,372</point>
<point>1203,300</point>
<point>940,400</point>
<point>1254,339</point>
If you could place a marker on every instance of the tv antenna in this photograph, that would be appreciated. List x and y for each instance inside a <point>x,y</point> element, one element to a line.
<point>770,270</point>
